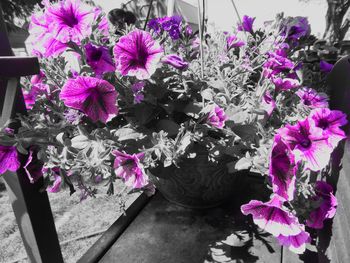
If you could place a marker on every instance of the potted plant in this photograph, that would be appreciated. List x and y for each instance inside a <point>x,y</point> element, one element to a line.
<point>161,107</point>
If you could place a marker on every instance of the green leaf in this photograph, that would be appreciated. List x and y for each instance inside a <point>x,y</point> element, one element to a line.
<point>208,94</point>
<point>144,113</point>
<point>170,127</point>
<point>80,142</point>
<point>243,164</point>
<point>246,132</point>
<point>236,114</point>
<point>125,134</point>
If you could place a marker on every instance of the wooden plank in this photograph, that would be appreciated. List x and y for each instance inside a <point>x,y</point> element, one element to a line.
<point>103,244</point>
<point>18,66</point>
<point>30,205</point>
<point>166,232</point>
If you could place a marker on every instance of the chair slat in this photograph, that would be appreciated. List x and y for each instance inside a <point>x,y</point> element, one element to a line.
<point>18,66</point>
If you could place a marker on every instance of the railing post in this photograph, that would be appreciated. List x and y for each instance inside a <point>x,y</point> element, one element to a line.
<point>30,205</point>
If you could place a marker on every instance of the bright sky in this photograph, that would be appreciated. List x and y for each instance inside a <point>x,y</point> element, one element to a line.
<point>222,13</point>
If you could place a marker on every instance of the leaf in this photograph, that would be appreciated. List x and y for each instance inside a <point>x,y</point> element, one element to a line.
<point>170,127</point>
<point>208,94</point>
<point>218,84</point>
<point>243,164</point>
<point>246,131</point>
<point>236,114</point>
<point>143,113</point>
<point>80,142</point>
<point>125,134</point>
<point>21,149</point>
<point>192,109</point>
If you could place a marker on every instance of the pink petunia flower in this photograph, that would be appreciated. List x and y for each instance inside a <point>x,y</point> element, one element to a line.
<point>271,217</point>
<point>95,97</point>
<point>39,78</point>
<point>276,64</point>
<point>33,167</point>
<point>294,28</point>
<point>327,208</point>
<point>312,98</point>
<point>247,24</point>
<point>282,169</point>
<point>129,168</point>
<point>268,103</point>
<point>44,44</point>
<point>175,61</point>
<point>233,41</point>
<point>295,243</point>
<point>8,159</point>
<point>69,20</point>
<point>137,54</point>
<point>330,122</point>
<point>325,67</point>
<point>56,186</point>
<point>216,116</point>
<point>285,83</point>
<point>99,59</point>
<point>137,89</point>
<point>308,144</point>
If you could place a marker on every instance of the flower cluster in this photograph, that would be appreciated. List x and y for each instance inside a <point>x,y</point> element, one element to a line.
<point>126,103</point>
<point>171,25</point>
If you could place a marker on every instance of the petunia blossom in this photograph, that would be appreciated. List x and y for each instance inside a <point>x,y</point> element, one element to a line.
<point>295,243</point>
<point>285,83</point>
<point>129,168</point>
<point>233,41</point>
<point>69,20</point>
<point>311,98</point>
<point>172,25</point>
<point>33,167</point>
<point>8,159</point>
<point>294,28</point>
<point>268,103</point>
<point>175,61</point>
<point>308,144</point>
<point>43,42</point>
<point>330,122</point>
<point>247,24</point>
<point>56,186</point>
<point>276,64</point>
<point>95,97</point>
<point>327,208</point>
<point>216,116</point>
<point>38,79</point>
<point>99,59</point>
<point>272,217</point>
<point>325,67</point>
<point>137,54</point>
<point>137,89</point>
<point>282,169</point>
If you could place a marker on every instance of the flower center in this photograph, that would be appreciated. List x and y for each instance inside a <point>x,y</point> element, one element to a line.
<point>96,55</point>
<point>323,124</point>
<point>140,58</point>
<point>305,143</point>
<point>69,18</point>
<point>307,102</point>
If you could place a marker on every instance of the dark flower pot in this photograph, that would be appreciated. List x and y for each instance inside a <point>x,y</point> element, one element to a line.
<point>197,183</point>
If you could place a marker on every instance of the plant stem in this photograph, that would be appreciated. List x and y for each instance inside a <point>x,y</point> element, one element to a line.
<point>200,38</point>
<point>148,14</point>
<point>238,16</point>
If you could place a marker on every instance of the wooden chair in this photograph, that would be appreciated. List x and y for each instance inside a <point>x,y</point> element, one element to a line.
<point>31,207</point>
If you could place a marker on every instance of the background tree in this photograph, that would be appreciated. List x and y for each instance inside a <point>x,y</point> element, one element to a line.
<point>336,25</point>
<point>17,9</point>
